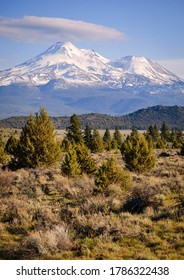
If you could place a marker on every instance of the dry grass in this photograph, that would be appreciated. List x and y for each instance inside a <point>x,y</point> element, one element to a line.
<point>44,215</point>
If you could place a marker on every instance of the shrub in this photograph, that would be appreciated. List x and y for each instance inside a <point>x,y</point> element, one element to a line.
<point>74,130</point>
<point>11,145</point>
<point>37,145</point>
<point>137,153</point>
<point>182,150</point>
<point>97,142</point>
<point>109,173</point>
<point>3,156</point>
<point>140,198</point>
<point>70,165</point>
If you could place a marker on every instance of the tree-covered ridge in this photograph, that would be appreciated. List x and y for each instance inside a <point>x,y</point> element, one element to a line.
<point>141,119</point>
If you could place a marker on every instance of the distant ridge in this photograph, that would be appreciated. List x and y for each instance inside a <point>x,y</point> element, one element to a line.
<point>141,119</point>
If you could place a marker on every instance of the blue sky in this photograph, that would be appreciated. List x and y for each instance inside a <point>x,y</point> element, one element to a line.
<point>114,28</point>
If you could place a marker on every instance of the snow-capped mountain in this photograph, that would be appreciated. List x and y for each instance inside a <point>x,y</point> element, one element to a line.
<point>63,65</point>
<point>67,80</point>
<point>145,68</point>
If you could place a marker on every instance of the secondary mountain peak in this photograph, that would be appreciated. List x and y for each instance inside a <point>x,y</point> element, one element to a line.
<point>68,66</point>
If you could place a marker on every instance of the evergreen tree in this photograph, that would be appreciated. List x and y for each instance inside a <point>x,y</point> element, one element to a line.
<point>165,132</point>
<point>70,165</point>
<point>110,173</point>
<point>137,153</point>
<point>176,138</point>
<point>97,142</point>
<point>74,130</point>
<point>77,160</point>
<point>153,132</point>
<point>182,149</point>
<point>107,140</point>
<point>3,155</point>
<point>11,145</point>
<point>87,164</point>
<point>118,137</point>
<point>37,145</point>
<point>88,136</point>
<point>114,144</point>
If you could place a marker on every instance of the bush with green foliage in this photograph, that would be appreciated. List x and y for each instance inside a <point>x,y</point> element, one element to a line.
<point>37,145</point>
<point>77,160</point>
<point>165,132</point>
<point>117,138</point>
<point>87,164</point>
<point>182,150</point>
<point>110,173</point>
<point>88,136</point>
<point>97,142</point>
<point>74,131</point>
<point>137,153</point>
<point>107,140</point>
<point>3,155</point>
<point>70,166</point>
<point>11,145</point>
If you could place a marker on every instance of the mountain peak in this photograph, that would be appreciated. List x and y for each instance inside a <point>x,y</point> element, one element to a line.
<point>60,47</point>
<point>66,64</point>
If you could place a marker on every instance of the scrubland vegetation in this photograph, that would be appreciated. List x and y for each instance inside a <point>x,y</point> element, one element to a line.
<point>91,197</point>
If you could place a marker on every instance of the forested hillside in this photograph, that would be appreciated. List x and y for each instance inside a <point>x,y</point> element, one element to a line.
<point>141,119</point>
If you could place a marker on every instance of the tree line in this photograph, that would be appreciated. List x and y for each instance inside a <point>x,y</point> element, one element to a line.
<point>38,146</point>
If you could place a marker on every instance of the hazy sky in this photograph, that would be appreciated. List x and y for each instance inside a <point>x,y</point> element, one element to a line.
<point>114,28</point>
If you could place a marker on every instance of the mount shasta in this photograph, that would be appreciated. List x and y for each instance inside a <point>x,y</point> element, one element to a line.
<point>67,80</point>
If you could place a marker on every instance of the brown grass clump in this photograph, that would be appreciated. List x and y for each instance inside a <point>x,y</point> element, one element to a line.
<point>44,215</point>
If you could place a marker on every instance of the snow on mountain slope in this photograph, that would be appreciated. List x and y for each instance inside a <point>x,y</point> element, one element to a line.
<point>63,66</point>
<point>141,66</point>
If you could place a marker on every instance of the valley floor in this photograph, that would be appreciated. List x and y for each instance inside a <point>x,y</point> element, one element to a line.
<point>44,215</point>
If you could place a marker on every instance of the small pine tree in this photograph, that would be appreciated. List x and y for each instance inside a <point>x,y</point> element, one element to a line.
<point>152,135</point>
<point>88,136</point>
<point>11,145</point>
<point>37,145</point>
<point>3,156</point>
<point>182,149</point>
<point>118,137</point>
<point>87,164</point>
<point>107,140</point>
<point>74,131</point>
<point>165,132</point>
<point>109,173</point>
<point>97,142</point>
<point>161,143</point>
<point>70,165</point>
<point>137,153</point>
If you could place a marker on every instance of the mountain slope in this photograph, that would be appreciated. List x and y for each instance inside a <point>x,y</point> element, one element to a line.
<point>66,79</point>
<point>141,119</point>
<point>143,67</point>
<point>71,66</point>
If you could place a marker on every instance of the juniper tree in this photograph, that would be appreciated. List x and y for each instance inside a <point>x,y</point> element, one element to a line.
<point>11,145</point>
<point>97,142</point>
<point>118,137</point>
<point>182,149</point>
<point>37,145</point>
<point>74,131</point>
<point>3,155</point>
<point>77,160</point>
<point>107,140</point>
<point>87,164</point>
<point>165,132</point>
<point>88,136</point>
<point>70,165</point>
<point>110,173</point>
<point>153,132</point>
<point>137,153</point>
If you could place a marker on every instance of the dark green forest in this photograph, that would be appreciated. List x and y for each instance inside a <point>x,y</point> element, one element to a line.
<point>141,119</point>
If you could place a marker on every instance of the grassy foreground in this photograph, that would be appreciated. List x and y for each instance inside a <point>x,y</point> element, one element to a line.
<point>44,215</point>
